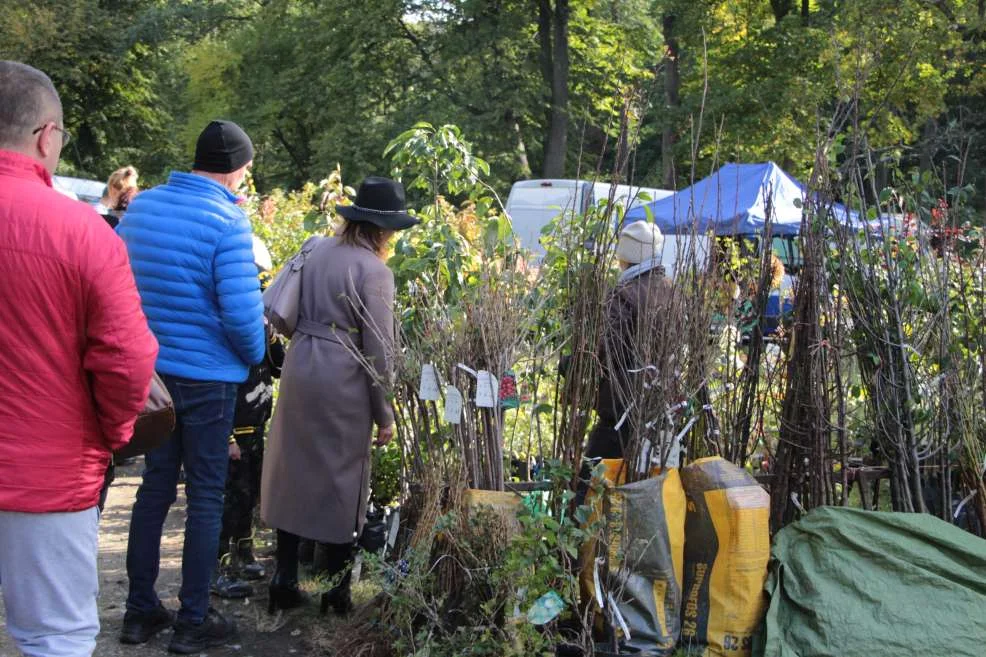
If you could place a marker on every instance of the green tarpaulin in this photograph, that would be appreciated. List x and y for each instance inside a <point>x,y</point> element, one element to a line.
<point>851,583</point>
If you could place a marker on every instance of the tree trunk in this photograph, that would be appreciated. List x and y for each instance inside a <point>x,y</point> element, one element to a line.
<point>672,101</point>
<point>781,8</point>
<point>805,10</point>
<point>520,149</point>
<point>553,33</point>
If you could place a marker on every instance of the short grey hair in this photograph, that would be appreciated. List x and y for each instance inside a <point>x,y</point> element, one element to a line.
<point>27,99</point>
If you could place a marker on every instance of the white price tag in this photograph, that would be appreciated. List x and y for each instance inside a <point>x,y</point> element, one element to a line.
<point>643,460</point>
<point>453,405</point>
<point>618,617</point>
<point>596,583</point>
<point>486,389</point>
<point>428,386</point>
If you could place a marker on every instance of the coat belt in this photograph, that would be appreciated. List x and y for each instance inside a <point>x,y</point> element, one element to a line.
<point>326,332</point>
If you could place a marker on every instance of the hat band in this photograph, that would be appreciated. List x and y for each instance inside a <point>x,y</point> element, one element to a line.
<point>375,211</point>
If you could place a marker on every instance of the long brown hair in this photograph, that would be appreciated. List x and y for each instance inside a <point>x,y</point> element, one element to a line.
<point>365,234</point>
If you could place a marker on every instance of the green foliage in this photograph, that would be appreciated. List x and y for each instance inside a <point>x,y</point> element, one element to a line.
<point>385,481</point>
<point>115,91</point>
<point>432,158</point>
<point>284,220</point>
<point>502,565</point>
<point>442,255</point>
<point>315,83</point>
<point>769,89</point>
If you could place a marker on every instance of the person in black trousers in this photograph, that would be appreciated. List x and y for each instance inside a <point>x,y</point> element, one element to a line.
<point>254,403</point>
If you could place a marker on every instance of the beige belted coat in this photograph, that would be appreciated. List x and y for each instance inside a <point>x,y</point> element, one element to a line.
<point>317,467</point>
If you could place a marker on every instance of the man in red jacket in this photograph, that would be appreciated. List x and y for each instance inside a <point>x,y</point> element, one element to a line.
<point>76,359</point>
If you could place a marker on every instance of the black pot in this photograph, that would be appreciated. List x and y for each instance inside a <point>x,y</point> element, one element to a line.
<point>374,536</point>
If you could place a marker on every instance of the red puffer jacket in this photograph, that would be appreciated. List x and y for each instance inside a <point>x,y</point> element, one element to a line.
<point>76,356</point>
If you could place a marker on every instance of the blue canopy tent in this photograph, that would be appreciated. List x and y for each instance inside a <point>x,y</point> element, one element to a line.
<point>733,201</point>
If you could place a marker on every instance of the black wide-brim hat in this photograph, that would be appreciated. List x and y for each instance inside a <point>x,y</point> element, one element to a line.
<point>380,201</point>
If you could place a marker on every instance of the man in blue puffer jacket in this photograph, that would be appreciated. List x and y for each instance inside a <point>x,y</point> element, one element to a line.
<point>191,251</point>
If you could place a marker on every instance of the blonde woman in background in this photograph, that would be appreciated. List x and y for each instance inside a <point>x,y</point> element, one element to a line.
<point>120,190</point>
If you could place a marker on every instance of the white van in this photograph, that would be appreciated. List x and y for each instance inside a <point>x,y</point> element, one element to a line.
<point>80,189</point>
<point>533,203</point>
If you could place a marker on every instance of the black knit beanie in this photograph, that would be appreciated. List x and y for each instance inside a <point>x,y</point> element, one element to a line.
<point>222,147</point>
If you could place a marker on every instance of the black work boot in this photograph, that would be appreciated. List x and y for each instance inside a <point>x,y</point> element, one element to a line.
<point>306,551</point>
<point>215,630</point>
<point>283,592</point>
<point>140,626</point>
<point>232,588</point>
<point>250,568</point>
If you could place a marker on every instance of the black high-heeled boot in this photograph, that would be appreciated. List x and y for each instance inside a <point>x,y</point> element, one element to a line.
<point>337,560</point>
<point>283,592</point>
<point>339,598</point>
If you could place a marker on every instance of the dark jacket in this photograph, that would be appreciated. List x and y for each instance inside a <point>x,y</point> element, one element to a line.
<point>634,309</point>
<point>255,396</point>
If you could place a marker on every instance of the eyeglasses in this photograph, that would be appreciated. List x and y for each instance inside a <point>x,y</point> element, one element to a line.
<point>66,137</point>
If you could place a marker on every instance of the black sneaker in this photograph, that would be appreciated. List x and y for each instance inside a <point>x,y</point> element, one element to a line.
<point>214,631</point>
<point>140,626</point>
<point>231,587</point>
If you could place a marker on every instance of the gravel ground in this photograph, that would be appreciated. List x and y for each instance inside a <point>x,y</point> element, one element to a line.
<point>260,634</point>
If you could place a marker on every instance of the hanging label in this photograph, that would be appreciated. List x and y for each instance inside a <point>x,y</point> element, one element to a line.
<point>618,617</point>
<point>428,386</point>
<point>453,405</point>
<point>486,389</point>
<point>596,583</point>
<point>644,458</point>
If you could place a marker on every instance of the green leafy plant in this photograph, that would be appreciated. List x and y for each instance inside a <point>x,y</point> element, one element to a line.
<point>385,477</point>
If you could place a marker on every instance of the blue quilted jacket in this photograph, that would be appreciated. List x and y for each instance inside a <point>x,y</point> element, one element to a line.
<point>192,255</point>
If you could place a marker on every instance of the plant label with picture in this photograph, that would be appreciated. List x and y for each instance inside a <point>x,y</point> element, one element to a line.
<point>428,386</point>
<point>487,388</point>
<point>453,405</point>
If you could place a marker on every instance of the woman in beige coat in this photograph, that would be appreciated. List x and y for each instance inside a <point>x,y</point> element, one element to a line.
<point>317,468</point>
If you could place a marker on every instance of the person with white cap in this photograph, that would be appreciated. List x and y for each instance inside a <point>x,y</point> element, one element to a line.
<point>632,308</point>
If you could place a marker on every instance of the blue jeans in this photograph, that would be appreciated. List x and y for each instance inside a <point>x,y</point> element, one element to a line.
<point>200,443</point>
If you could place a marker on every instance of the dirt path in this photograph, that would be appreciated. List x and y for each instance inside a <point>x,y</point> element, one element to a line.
<point>260,635</point>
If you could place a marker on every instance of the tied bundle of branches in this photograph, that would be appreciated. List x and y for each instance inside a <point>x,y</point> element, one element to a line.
<point>500,316</point>
<point>912,296</point>
<point>486,326</point>
<point>894,295</point>
<point>579,269</point>
<point>578,265</point>
<point>967,387</point>
<point>803,463</point>
<point>748,367</point>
